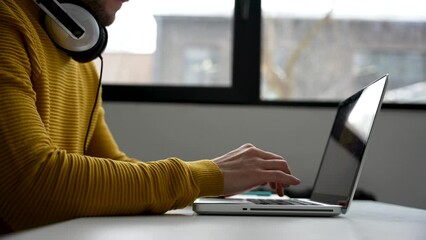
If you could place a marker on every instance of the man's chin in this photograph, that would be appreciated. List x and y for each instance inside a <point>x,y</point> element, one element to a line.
<point>107,20</point>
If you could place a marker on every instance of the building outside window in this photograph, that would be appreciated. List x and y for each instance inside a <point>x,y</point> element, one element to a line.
<point>320,53</point>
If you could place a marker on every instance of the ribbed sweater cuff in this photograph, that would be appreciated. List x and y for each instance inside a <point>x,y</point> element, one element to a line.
<point>208,177</point>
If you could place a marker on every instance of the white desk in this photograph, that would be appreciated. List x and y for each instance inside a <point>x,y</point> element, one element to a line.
<point>365,220</point>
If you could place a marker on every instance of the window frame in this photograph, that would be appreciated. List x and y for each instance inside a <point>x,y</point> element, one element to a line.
<point>245,75</point>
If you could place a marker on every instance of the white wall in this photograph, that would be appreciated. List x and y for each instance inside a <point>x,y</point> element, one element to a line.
<point>395,159</point>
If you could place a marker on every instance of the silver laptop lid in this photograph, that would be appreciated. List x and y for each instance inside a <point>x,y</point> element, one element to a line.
<point>341,163</point>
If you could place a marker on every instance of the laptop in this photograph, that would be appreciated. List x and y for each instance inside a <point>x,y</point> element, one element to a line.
<point>339,171</point>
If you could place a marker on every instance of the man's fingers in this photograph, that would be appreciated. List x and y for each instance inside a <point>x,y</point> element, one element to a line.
<point>246,149</point>
<point>251,150</point>
<point>247,167</point>
<point>269,160</point>
<point>276,164</point>
<point>279,189</point>
<point>278,177</point>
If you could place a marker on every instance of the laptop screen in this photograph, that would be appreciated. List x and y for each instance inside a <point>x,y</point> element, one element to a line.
<point>341,163</point>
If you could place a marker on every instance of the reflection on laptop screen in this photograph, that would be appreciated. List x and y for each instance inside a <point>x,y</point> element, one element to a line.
<point>342,157</point>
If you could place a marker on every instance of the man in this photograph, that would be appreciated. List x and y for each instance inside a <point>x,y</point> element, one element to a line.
<point>59,161</point>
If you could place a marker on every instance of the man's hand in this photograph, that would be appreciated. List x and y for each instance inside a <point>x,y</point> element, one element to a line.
<point>248,167</point>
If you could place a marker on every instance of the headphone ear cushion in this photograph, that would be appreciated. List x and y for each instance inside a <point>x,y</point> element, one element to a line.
<point>93,42</point>
<point>95,51</point>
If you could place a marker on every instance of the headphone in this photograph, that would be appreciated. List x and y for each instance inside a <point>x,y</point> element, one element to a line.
<point>74,28</point>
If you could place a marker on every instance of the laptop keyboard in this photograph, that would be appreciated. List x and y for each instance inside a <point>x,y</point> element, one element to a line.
<point>280,202</point>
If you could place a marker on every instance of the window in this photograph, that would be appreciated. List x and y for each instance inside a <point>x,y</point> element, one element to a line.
<point>201,67</point>
<point>409,72</point>
<point>331,49</point>
<point>265,51</point>
<point>171,43</point>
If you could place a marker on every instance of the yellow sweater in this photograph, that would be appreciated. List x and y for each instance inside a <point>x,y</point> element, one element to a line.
<point>46,99</point>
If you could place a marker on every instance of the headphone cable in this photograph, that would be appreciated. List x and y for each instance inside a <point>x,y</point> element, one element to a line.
<point>94,105</point>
